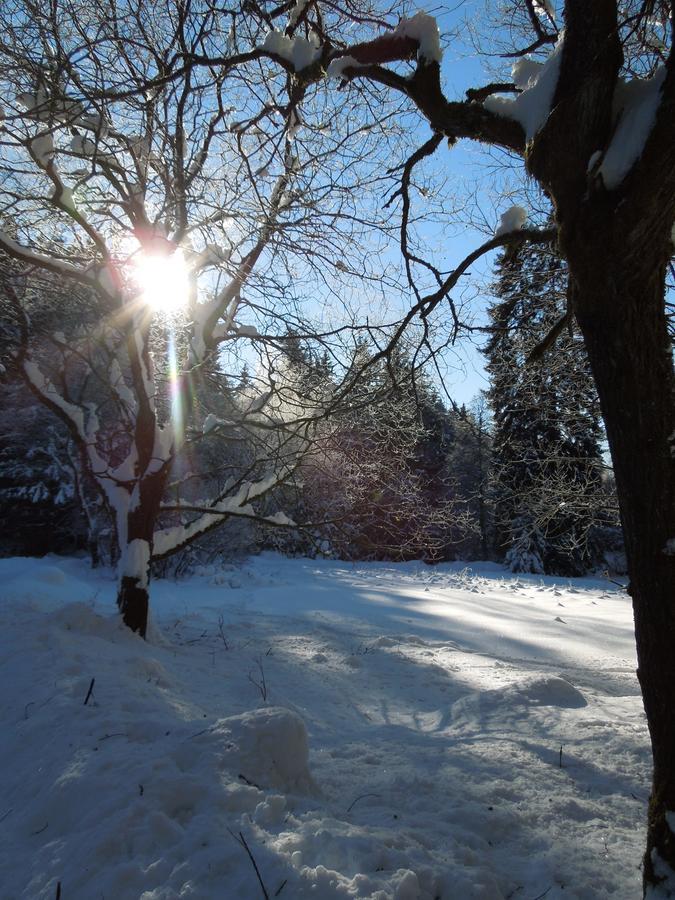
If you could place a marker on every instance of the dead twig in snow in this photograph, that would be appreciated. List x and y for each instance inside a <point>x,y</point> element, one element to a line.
<point>248,781</point>
<point>242,841</point>
<point>261,684</point>
<point>540,896</point>
<point>360,797</point>
<point>90,691</point>
<point>221,631</point>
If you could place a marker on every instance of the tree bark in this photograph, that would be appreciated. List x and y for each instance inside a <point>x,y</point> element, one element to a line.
<point>133,600</point>
<point>636,386</point>
<point>133,592</point>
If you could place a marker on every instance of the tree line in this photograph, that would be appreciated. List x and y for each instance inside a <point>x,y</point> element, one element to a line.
<point>396,472</point>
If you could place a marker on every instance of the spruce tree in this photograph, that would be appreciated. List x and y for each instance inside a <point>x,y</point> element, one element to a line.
<point>547,427</point>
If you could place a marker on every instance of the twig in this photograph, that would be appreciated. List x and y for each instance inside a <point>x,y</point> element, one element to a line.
<point>539,896</point>
<point>560,757</point>
<point>197,639</point>
<point>248,781</point>
<point>242,840</point>
<point>11,810</point>
<point>360,797</point>
<point>40,830</point>
<point>221,632</point>
<point>90,691</point>
<point>281,887</point>
<point>261,684</point>
<point>203,731</point>
<point>58,891</point>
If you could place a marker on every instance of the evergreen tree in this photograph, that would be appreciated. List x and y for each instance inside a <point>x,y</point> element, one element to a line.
<point>547,427</point>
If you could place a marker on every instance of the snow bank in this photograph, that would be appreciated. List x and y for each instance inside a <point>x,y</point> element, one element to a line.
<point>437,756</point>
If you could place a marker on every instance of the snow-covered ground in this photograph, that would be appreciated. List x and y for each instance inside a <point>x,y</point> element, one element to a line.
<point>377,731</point>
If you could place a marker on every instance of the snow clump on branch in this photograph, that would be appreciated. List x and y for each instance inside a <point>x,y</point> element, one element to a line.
<point>638,102</point>
<point>422,28</point>
<point>545,8</point>
<point>532,107</point>
<point>512,220</point>
<point>299,51</point>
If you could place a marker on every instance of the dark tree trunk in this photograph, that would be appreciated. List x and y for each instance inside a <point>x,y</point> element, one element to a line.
<point>636,386</point>
<point>133,593</point>
<point>133,600</point>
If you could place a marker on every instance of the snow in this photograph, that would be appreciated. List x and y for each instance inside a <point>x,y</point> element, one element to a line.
<point>65,196</point>
<point>270,746</point>
<point>424,29</point>
<point>531,107</point>
<point>24,253</point>
<point>336,67</point>
<point>374,730</point>
<point>42,146</point>
<point>82,146</point>
<point>638,101</point>
<point>305,51</point>
<point>210,422</point>
<point>525,72</point>
<point>512,220</point>
<point>299,51</point>
<point>545,8</point>
<point>278,43</point>
<point>280,518</point>
<point>135,562</point>
<point>297,11</point>
<point>247,331</point>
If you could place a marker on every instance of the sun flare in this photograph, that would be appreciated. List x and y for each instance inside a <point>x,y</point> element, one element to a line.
<point>163,281</point>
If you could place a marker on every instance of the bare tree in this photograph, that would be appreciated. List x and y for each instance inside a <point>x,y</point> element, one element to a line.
<point>165,177</point>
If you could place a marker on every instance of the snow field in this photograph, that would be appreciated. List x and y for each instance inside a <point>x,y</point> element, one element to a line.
<point>375,731</point>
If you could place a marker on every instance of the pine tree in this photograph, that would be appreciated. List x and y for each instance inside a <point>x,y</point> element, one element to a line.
<point>547,427</point>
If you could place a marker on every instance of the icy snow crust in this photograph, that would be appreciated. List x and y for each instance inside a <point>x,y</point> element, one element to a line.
<point>408,747</point>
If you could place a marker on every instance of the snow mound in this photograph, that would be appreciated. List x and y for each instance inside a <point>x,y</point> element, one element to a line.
<point>549,691</point>
<point>52,575</point>
<point>81,618</point>
<point>552,691</point>
<point>268,747</point>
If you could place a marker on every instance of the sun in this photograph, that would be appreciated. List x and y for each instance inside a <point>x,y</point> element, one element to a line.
<point>163,281</point>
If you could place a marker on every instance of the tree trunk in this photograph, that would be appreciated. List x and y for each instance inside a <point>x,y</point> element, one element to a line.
<point>133,602</point>
<point>134,565</point>
<point>636,386</point>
